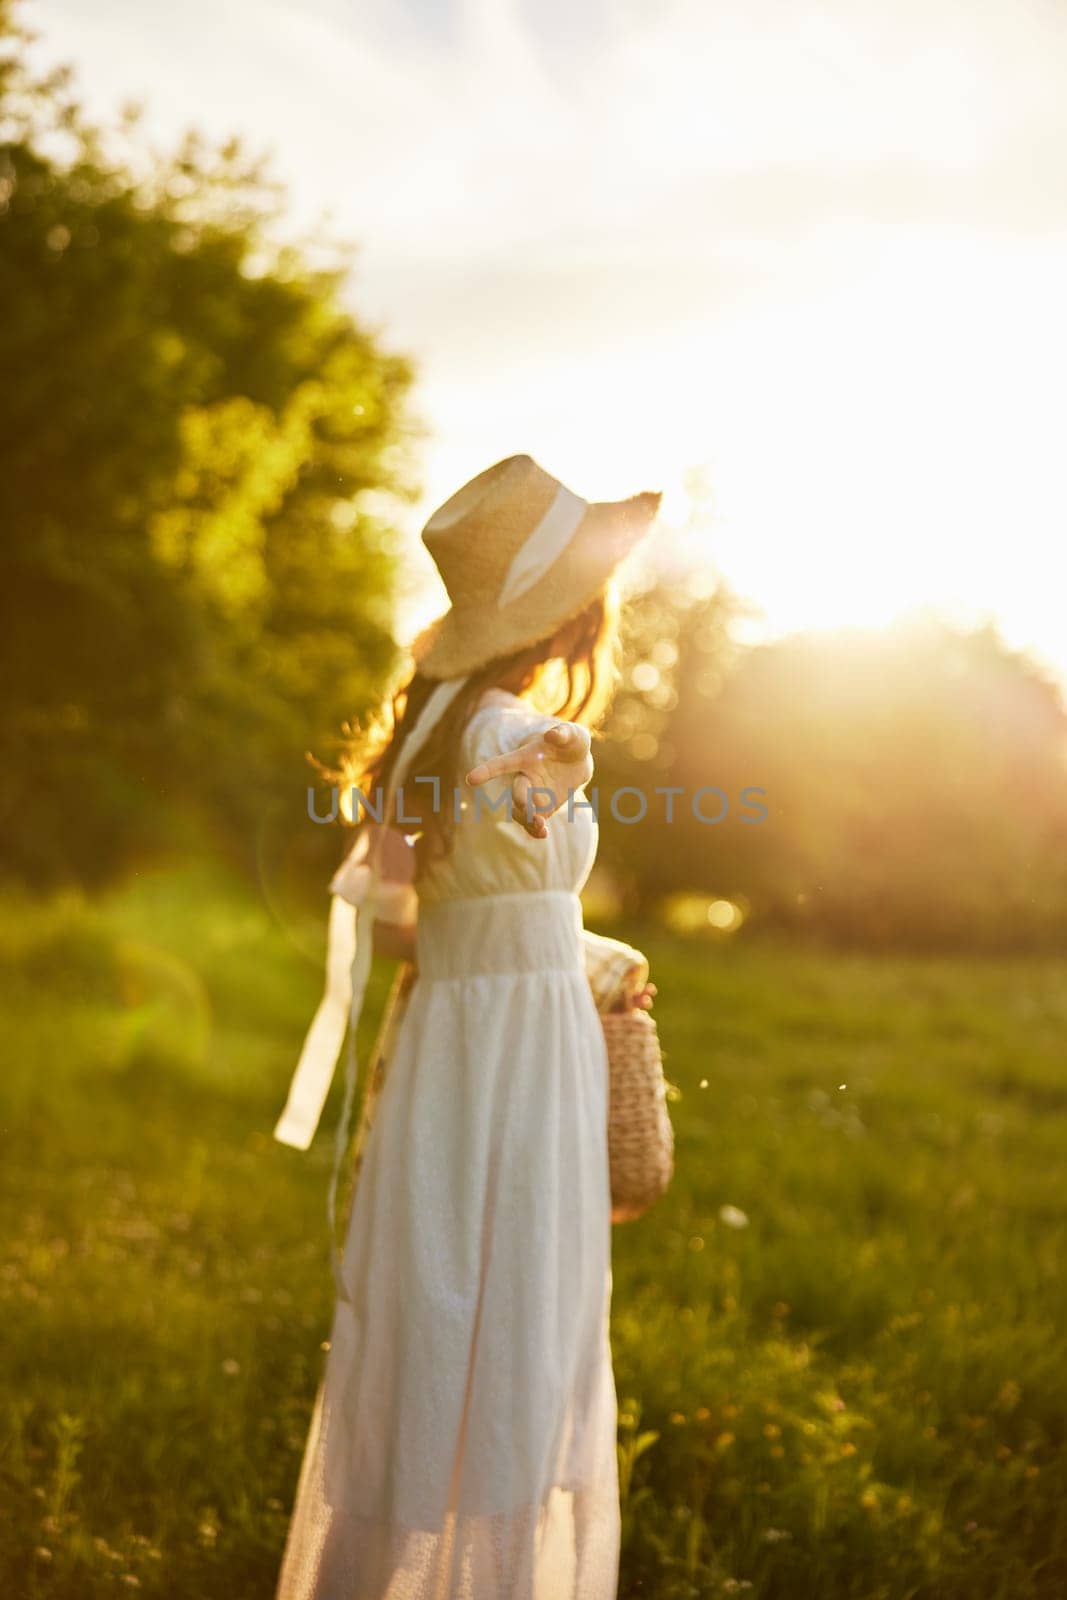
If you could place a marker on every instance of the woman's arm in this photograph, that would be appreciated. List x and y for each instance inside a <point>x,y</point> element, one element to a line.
<point>395,940</point>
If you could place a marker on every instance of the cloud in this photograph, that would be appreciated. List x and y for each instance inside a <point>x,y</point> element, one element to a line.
<point>462,132</point>
<point>818,246</point>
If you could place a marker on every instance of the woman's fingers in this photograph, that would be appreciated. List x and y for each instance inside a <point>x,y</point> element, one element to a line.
<point>480,774</point>
<point>536,826</point>
<point>569,745</point>
<point>522,758</point>
<point>520,790</point>
<point>570,741</point>
<point>546,772</point>
<point>525,807</point>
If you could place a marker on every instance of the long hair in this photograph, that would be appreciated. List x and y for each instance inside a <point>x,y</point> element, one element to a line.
<point>571,674</point>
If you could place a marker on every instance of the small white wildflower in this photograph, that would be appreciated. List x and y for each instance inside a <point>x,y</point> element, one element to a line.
<point>733,1217</point>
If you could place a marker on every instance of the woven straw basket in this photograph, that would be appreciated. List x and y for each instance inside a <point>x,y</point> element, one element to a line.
<point>640,1136</point>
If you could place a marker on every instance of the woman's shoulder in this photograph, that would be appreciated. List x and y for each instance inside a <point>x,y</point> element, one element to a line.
<point>504,700</point>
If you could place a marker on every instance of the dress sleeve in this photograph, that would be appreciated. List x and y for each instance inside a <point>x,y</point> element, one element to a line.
<point>495,729</point>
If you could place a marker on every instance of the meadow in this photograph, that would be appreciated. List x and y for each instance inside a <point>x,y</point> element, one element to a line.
<point>839,1341</point>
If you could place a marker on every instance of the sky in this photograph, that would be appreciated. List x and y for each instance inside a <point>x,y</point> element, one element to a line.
<point>799,266</point>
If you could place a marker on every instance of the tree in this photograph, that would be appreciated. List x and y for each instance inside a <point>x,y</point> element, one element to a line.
<point>915,779</point>
<point>195,584</point>
<point>677,643</point>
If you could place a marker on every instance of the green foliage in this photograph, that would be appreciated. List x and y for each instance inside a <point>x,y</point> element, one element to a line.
<point>846,1321</point>
<point>200,454</point>
<point>915,778</point>
<point>677,638</point>
<point>195,578</point>
<point>838,1341</point>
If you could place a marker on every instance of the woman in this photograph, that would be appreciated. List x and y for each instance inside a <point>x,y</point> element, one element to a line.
<point>463,1441</point>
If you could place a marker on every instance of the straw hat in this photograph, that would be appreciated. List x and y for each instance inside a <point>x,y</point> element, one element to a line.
<point>519,555</point>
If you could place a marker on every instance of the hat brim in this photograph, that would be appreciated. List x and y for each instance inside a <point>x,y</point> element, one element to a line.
<point>462,640</point>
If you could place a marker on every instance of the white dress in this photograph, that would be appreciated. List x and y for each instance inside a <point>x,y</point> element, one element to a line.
<point>463,1440</point>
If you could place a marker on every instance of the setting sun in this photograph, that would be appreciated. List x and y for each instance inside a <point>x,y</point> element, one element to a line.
<point>843,457</point>
<point>841,311</point>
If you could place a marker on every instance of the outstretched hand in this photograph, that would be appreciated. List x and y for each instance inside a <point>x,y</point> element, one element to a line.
<point>557,761</point>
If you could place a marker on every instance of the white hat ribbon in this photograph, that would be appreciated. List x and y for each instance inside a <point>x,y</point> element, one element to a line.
<point>544,545</point>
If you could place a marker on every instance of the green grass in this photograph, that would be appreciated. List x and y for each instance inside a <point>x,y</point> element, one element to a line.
<point>860,1391</point>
